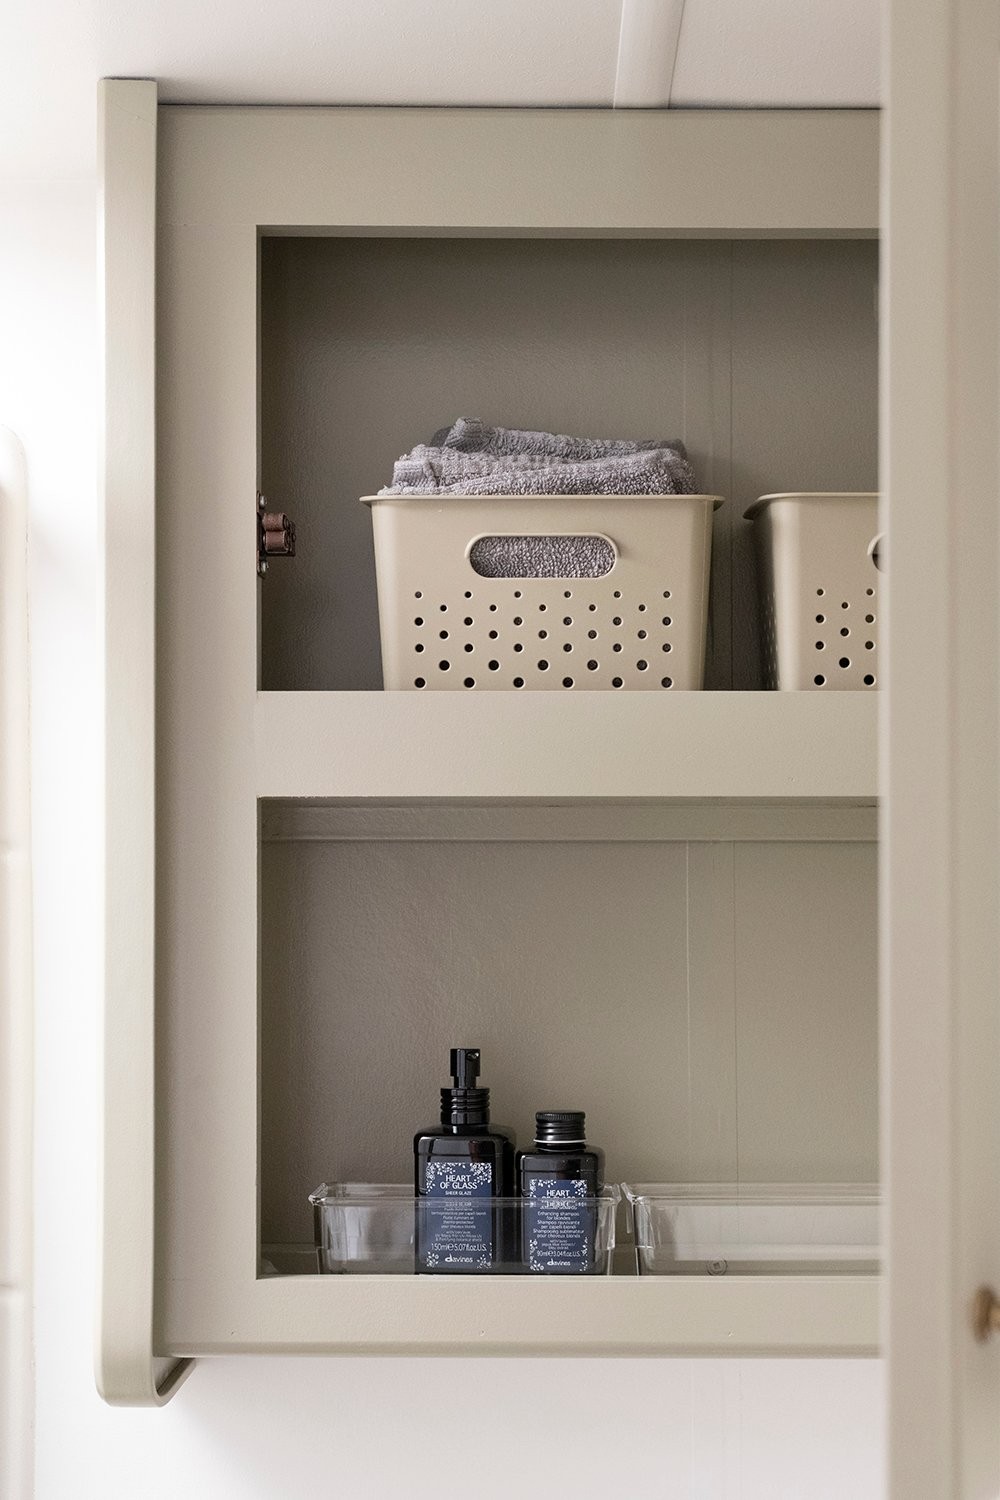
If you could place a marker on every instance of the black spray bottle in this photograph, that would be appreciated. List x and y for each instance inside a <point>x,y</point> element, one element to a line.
<point>460,1167</point>
<point>558,1179</point>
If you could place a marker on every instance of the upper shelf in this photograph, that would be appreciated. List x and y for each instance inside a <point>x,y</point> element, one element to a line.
<point>567,746</point>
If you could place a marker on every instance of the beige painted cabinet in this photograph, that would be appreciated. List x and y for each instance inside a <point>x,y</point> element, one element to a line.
<point>660,905</point>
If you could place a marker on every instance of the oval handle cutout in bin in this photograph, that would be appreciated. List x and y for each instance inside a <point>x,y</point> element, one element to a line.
<point>543,555</point>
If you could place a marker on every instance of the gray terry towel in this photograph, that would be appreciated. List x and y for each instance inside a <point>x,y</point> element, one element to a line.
<point>472,459</point>
<point>470,435</point>
<point>541,556</point>
<point>658,471</point>
<point>426,469</point>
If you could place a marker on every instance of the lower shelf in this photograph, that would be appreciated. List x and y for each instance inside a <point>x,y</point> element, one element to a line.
<point>553,1316</point>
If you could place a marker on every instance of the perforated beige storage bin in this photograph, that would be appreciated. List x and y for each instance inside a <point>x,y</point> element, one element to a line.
<point>818,559</point>
<point>635,619</point>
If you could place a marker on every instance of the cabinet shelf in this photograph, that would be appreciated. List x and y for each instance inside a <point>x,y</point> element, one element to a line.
<point>705,1315</point>
<point>740,747</point>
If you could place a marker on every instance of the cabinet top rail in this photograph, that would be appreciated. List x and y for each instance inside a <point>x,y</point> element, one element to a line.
<point>583,172</point>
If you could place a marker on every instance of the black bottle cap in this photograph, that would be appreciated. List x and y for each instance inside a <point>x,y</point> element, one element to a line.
<point>464,1103</point>
<point>464,1067</point>
<point>560,1127</point>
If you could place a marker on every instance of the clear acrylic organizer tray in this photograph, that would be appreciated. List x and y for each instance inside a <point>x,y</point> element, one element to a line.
<point>370,1229</point>
<point>697,1229</point>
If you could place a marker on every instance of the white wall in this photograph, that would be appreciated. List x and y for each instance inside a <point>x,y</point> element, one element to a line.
<point>246,1429</point>
<point>775,52</point>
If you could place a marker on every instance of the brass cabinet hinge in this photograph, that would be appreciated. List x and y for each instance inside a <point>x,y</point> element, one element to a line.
<point>275,535</point>
<point>985,1313</point>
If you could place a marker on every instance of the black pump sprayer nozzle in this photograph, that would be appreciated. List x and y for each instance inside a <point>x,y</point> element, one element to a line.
<point>464,1104</point>
<point>464,1067</point>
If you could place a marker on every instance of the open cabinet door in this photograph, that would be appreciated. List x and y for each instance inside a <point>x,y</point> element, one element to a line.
<point>940,875</point>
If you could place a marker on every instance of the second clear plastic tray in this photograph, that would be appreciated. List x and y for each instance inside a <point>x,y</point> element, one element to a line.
<point>369,1228</point>
<point>699,1229</point>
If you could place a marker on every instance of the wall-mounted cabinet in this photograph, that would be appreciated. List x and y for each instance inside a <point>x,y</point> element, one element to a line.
<point>660,906</point>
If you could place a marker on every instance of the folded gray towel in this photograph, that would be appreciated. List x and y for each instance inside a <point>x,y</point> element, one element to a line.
<point>426,468</point>
<point>470,458</point>
<point>659,471</point>
<point>470,435</point>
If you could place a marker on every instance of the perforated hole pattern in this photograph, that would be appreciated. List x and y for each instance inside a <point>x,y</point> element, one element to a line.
<point>845,637</point>
<point>572,650</point>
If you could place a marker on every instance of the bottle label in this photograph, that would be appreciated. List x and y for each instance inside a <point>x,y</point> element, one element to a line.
<point>559,1225</point>
<point>457,1211</point>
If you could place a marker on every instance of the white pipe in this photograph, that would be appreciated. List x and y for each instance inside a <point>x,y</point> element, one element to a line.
<point>647,52</point>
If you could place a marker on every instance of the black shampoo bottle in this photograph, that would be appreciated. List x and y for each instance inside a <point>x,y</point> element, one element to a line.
<point>460,1167</point>
<point>558,1180</point>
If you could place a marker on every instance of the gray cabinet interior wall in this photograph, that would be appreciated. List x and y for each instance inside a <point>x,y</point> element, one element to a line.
<point>712,1005</point>
<point>691,996</point>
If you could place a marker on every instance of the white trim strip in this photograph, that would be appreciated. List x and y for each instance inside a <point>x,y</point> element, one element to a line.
<point>16,1393</point>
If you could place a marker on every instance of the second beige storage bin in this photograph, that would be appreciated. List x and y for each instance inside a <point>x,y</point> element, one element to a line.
<point>593,592</point>
<point>818,556</point>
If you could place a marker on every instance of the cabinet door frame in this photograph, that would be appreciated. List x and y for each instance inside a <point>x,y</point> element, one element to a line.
<point>127,1371</point>
<point>940,864</point>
